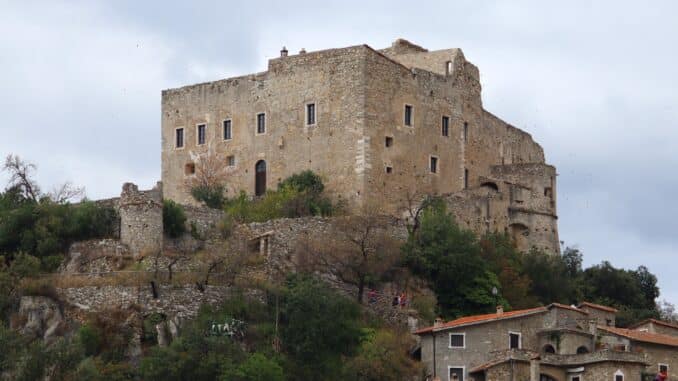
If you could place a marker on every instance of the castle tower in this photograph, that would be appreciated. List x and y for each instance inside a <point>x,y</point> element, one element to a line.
<point>141,219</point>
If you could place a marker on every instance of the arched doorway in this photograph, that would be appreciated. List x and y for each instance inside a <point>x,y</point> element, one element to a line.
<point>260,178</point>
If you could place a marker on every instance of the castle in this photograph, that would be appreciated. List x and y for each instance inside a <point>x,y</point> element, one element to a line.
<point>382,127</point>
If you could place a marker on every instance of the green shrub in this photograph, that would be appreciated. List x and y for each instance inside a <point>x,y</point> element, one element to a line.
<point>89,339</point>
<point>212,196</point>
<point>173,219</point>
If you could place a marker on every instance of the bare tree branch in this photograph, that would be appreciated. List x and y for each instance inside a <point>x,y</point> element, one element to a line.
<point>20,176</point>
<point>66,192</point>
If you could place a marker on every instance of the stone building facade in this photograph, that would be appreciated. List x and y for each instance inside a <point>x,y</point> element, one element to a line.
<point>380,126</point>
<point>552,343</point>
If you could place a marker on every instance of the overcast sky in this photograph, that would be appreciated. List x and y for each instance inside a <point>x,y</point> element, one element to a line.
<point>595,84</point>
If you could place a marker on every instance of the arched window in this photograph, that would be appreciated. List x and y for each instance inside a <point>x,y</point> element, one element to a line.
<point>582,350</point>
<point>260,178</point>
<point>490,185</point>
<point>548,348</point>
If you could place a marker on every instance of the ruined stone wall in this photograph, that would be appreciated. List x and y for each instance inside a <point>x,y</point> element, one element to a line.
<point>171,300</point>
<point>331,79</point>
<point>141,219</point>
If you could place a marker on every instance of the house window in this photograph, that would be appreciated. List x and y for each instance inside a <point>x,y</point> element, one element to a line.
<point>202,128</point>
<point>514,340</point>
<point>445,127</point>
<point>189,169</point>
<point>465,132</point>
<point>230,160</point>
<point>575,378</point>
<point>228,131</point>
<point>261,123</point>
<point>310,114</point>
<point>388,142</point>
<point>179,138</point>
<point>457,340</point>
<point>456,373</point>
<point>389,169</point>
<point>408,115</point>
<point>663,368</point>
<point>433,166</point>
<point>618,375</point>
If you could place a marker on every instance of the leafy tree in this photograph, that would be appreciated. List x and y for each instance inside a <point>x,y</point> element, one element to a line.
<point>173,219</point>
<point>449,258</point>
<point>319,327</point>
<point>257,367</point>
<point>383,356</point>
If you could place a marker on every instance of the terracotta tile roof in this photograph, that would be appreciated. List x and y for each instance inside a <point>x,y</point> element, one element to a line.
<point>646,337</point>
<point>565,306</point>
<point>598,307</point>
<point>478,319</point>
<point>655,321</point>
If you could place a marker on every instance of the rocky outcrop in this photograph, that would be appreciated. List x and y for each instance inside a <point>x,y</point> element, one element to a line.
<point>39,317</point>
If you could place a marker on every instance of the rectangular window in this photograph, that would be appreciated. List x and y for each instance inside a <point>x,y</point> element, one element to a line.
<point>445,126</point>
<point>514,340</point>
<point>434,164</point>
<point>261,123</point>
<point>575,378</point>
<point>310,114</point>
<point>465,132</point>
<point>457,340</point>
<point>179,140</point>
<point>663,368</point>
<point>465,178</point>
<point>202,129</point>
<point>389,169</point>
<point>388,142</point>
<point>618,377</point>
<point>228,132</point>
<point>408,115</point>
<point>230,160</point>
<point>456,373</point>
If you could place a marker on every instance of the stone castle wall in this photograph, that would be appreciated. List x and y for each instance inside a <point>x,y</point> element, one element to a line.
<point>360,95</point>
<point>141,219</point>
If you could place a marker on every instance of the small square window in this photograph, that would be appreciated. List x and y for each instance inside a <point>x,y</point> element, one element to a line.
<point>179,138</point>
<point>434,164</point>
<point>388,142</point>
<point>202,132</point>
<point>408,115</point>
<point>230,160</point>
<point>189,169</point>
<point>663,368</point>
<point>575,378</point>
<point>389,169</point>
<point>310,114</point>
<point>261,123</point>
<point>228,131</point>
<point>457,340</point>
<point>445,126</point>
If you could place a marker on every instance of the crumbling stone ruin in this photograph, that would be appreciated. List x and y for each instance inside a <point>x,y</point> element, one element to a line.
<point>382,127</point>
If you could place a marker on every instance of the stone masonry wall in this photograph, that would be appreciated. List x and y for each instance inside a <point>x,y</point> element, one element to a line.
<point>141,219</point>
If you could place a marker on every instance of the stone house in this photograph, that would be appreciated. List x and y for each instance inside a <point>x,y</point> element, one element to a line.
<point>552,343</point>
<point>656,326</point>
<point>382,127</point>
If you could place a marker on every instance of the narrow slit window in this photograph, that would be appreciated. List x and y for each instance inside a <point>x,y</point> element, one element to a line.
<point>202,131</point>
<point>434,164</point>
<point>445,126</point>
<point>179,139</point>
<point>465,132</point>
<point>310,114</point>
<point>261,123</point>
<point>228,131</point>
<point>408,115</point>
<point>465,178</point>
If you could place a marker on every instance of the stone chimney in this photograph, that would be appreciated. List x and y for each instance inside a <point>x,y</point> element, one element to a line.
<point>302,51</point>
<point>500,310</point>
<point>438,322</point>
<point>283,52</point>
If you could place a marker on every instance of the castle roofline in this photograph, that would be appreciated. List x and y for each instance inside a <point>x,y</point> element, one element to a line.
<point>654,321</point>
<point>381,52</point>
